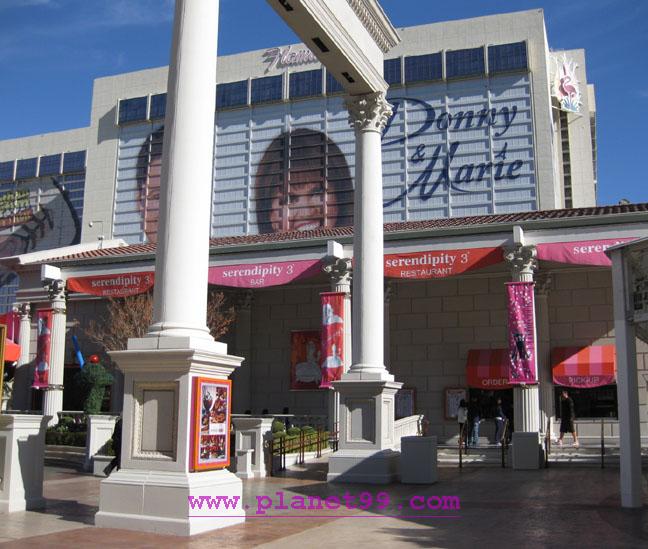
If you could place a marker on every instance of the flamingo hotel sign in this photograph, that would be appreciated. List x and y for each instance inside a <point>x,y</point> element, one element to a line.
<point>280,58</point>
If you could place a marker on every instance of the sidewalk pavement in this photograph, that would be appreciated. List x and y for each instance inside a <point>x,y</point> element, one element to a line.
<point>556,507</point>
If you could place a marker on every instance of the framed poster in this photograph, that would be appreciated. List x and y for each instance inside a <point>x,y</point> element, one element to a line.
<point>212,400</point>
<point>405,402</point>
<point>453,396</point>
<point>305,352</point>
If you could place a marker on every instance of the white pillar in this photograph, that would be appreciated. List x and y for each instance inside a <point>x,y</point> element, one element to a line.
<point>150,493</point>
<point>526,402</point>
<point>545,379</point>
<point>53,397</point>
<point>340,275</point>
<point>22,379</point>
<point>627,385</point>
<point>367,390</point>
<point>389,292</point>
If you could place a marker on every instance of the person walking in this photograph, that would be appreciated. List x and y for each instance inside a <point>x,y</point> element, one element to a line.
<point>462,419</point>
<point>567,417</point>
<point>474,418</point>
<point>116,443</point>
<point>500,418</point>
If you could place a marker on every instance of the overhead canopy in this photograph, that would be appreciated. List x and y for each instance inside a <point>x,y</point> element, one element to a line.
<point>12,351</point>
<point>488,369</point>
<point>584,367</point>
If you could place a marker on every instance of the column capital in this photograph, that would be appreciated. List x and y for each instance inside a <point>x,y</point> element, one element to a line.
<point>369,112</point>
<point>23,309</point>
<point>340,272</point>
<point>522,261</point>
<point>55,290</point>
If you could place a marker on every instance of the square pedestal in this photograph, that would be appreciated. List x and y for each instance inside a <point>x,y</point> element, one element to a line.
<point>526,451</point>
<point>418,461</point>
<point>253,433</point>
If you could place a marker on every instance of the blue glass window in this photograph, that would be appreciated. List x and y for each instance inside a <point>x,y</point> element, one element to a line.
<point>7,170</point>
<point>268,88</point>
<point>332,85</point>
<point>392,71</point>
<point>419,68</point>
<point>507,57</point>
<point>305,84</point>
<point>131,110</point>
<point>26,168</point>
<point>232,94</point>
<point>460,63</point>
<point>50,165</point>
<point>74,162</point>
<point>158,105</point>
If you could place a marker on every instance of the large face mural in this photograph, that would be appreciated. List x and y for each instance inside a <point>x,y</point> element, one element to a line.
<point>450,149</point>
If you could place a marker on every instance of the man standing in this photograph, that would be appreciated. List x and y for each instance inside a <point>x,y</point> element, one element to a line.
<point>474,417</point>
<point>567,417</point>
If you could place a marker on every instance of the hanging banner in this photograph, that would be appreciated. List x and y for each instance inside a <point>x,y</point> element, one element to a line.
<point>521,327</point>
<point>305,351</point>
<point>43,348</point>
<point>12,321</point>
<point>263,275</point>
<point>212,404</point>
<point>332,337</point>
<point>440,263</point>
<point>585,252</point>
<point>116,285</point>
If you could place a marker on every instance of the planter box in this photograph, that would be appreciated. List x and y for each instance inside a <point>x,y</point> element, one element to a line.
<point>99,463</point>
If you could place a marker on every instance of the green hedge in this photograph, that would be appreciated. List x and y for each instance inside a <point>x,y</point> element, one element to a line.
<point>65,438</point>
<point>291,441</point>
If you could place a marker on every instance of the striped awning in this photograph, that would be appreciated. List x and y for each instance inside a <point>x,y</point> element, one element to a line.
<point>488,369</point>
<point>584,367</point>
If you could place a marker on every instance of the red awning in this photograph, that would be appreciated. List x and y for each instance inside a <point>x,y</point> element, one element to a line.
<point>12,351</point>
<point>584,366</point>
<point>488,369</point>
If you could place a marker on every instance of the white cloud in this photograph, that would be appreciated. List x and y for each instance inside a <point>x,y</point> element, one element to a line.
<point>6,4</point>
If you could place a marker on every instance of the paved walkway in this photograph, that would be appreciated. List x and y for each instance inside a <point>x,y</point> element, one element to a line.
<point>556,507</point>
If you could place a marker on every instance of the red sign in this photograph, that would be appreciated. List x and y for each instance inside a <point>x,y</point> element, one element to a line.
<point>212,402</point>
<point>440,263</point>
<point>305,352</point>
<point>262,275</point>
<point>586,252</point>
<point>332,337</point>
<point>521,327</point>
<point>43,348</point>
<point>117,285</point>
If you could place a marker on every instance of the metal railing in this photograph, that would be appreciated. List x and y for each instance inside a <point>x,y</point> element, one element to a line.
<point>305,441</point>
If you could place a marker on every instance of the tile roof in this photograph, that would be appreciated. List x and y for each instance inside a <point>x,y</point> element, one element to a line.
<point>135,250</point>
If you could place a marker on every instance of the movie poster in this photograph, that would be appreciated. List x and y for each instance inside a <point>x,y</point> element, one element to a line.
<point>305,352</point>
<point>332,337</point>
<point>43,348</point>
<point>521,326</point>
<point>211,429</point>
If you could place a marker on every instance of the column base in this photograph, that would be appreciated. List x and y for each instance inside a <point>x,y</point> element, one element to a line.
<point>526,451</point>
<point>364,466</point>
<point>158,502</point>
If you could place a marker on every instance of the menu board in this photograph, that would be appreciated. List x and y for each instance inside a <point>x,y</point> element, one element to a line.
<point>211,423</point>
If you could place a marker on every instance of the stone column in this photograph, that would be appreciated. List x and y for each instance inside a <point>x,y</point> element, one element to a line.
<point>242,377</point>
<point>151,490</point>
<point>390,288</point>
<point>22,378</point>
<point>340,275</point>
<point>545,379</point>
<point>53,397</point>
<point>367,390</point>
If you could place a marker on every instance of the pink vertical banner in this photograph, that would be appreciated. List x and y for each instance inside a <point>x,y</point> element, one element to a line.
<point>521,327</point>
<point>332,337</point>
<point>43,348</point>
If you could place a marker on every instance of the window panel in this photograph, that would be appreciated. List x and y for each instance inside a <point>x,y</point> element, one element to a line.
<point>305,84</point>
<point>461,63</point>
<point>26,168</point>
<point>269,88</point>
<point>133,109</point>
<point>332,85</point>
<point>158,105</point>
<point>419,68</point>
<point>507,57</point>
<point>392,71</point>
<point>7,170</point>
<point>232,94</point>
<point>50,165</point>
<point>74,162</point>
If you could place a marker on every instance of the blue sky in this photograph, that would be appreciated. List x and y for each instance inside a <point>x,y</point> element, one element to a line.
<point>51,50</point>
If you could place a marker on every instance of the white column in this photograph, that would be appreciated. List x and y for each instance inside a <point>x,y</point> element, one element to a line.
<point>182,257</point>
<point>627,385</point>
<point>368,115</point>
<point>526,402</point>
<point>53,397</point>
<point>389,292</point>
<point>340,275</point>
<point>22,382</point>
<point>543,286</point>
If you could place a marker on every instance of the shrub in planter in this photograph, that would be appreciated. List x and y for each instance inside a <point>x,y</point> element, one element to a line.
<point>92,380</point>
<point>58,438</point>
<point>278,426</point>
<point>293,431</point>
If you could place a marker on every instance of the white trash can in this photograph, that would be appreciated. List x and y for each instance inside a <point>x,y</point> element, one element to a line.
<point>418,460</point>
